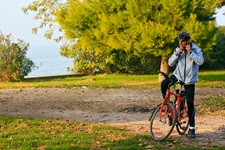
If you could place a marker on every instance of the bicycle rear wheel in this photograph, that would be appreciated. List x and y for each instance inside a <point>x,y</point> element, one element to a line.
<point>161,127</point>
<point>182,121</point>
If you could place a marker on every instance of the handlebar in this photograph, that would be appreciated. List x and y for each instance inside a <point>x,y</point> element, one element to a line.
<point>164,74</point>
<point>172,79</point>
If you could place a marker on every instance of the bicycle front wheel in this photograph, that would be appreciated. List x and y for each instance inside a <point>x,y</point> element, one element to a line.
<point>163,122</point>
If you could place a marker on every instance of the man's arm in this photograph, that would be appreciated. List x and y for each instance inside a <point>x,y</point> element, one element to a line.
<point>174,58</point>
<point>197,55</point>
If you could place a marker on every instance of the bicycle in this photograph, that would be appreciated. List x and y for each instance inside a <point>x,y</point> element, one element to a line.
<point>170,113</point>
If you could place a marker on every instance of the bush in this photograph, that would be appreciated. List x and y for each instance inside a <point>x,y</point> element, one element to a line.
<point>14,64</point>
<point>120,61</point>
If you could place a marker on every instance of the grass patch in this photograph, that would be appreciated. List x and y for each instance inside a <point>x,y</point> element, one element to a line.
<point>21,133</point>
<point>213,79</point>
<point>35,134</point>
<point>95,81</point>
<point>217,101</point>
<point>212,104</point>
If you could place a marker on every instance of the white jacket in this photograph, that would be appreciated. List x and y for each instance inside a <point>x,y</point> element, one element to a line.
<point>190,68</point>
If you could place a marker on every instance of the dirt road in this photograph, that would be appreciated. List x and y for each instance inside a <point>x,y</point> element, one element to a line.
<point>125,108</point>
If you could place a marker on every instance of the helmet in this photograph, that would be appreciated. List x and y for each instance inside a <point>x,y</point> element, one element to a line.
<point>184,36</point>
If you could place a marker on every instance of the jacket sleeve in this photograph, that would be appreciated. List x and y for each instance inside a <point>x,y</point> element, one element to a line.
<point>197,55</point>
<point>173,58</point>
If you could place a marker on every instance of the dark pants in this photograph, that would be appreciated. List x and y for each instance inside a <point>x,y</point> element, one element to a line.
<point>190,92</point>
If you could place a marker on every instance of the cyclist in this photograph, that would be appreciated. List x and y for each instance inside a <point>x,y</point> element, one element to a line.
<point>187,57</point>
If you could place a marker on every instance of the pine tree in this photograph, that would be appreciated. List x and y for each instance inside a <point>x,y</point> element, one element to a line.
<point>99,30</point>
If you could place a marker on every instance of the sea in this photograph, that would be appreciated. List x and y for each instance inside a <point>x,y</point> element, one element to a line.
<point>48,61</point>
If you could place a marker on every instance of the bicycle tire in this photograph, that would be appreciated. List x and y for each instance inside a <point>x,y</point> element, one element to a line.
<point>160,130</point>
<point>183,124</point>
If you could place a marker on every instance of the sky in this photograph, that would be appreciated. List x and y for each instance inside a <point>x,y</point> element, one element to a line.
<point>220,18</point>
<point>43,52</point>
<point>13,20</point>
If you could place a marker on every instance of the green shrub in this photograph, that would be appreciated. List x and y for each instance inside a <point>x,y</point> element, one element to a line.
<point>14,64</point>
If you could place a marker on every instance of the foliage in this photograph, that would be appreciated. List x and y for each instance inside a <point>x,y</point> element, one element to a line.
<point>96,29</point>
<point>14,64</point>
<point>44,11</point>
<point>215,59</point>
<point>124,62</point>
<point>137,27</point>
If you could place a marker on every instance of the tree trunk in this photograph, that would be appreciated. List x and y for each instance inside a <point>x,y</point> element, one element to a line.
<point>164,67</point>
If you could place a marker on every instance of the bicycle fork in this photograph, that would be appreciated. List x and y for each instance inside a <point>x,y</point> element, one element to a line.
<point>166,110</point>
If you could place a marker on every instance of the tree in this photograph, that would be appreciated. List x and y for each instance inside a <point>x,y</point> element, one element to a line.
<point>96,28</point>
<point>44,11</point>
<point>215,59</point>
<point>14,64</point>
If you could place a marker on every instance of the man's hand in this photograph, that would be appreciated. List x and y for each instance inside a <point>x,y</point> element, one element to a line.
<point>180,51</point>
<point>188,48</point>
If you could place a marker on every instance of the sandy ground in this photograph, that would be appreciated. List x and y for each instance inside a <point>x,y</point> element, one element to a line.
<point>128,109</point>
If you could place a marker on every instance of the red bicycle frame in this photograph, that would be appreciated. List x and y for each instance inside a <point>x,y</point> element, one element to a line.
<point>178,101</point>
